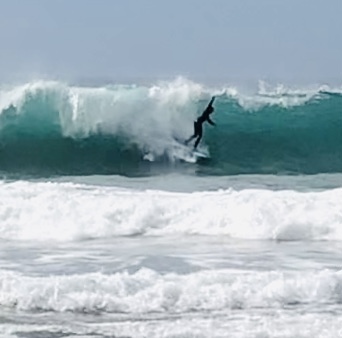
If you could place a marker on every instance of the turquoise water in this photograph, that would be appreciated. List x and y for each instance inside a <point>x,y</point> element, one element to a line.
<point>50,128</point>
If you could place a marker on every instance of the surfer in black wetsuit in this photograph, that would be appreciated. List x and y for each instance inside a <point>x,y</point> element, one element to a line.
<point>198,129</point>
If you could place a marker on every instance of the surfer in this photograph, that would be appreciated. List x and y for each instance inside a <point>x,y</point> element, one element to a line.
<point>198,129</point>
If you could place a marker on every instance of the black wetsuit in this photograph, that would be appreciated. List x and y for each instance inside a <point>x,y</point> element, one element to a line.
<point>198,128</point>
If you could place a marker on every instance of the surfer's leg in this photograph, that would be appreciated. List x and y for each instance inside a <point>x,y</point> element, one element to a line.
<point>194,135</point>
<point>197,142</point>
<point>190,139</point>
<point>199,134</point>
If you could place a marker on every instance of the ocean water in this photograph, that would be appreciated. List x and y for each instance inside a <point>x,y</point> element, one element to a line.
<point>110,227</point>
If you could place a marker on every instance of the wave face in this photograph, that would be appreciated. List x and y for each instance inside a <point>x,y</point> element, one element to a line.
<point>53,128</point>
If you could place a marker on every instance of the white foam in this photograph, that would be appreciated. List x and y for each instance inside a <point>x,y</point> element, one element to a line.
<point>65,211</point>
<point>16,95</point>
<point>221,325</point>
<point>147,291</point>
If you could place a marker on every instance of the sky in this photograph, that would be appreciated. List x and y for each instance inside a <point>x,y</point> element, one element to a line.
<point>231,40</point>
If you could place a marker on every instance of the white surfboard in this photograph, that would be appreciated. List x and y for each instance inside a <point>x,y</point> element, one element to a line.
<point>187,153</point>
<point>177,150</point>
<point>199,153</point>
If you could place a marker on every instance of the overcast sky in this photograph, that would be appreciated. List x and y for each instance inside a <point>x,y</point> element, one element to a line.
<point>288,40</point>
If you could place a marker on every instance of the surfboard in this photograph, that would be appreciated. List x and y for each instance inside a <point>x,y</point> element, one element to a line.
<point>188,153</point>
<point>198,153</point>
<point>177,150</point>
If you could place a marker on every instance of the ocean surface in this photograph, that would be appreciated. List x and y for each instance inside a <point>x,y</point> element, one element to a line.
<point>111,227</point>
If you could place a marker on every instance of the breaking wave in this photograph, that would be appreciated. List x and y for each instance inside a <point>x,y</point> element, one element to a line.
<point>53,128</point>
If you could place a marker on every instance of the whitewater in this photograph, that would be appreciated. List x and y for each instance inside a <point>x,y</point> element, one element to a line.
<point>110,227</point>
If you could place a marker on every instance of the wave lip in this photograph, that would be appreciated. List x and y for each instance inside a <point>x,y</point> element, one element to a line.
<point>72,212</point>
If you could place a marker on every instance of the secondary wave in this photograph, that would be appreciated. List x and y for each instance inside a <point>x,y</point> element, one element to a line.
<point>73,212</point>
<point>206,290</point>
<point>53,128</point>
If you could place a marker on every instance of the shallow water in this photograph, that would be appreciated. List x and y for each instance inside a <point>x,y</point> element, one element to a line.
<point>171,287</point>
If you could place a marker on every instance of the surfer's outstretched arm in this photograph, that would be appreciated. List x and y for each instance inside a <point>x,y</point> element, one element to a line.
<point>209,108</point>
<point>211,101</point>
<point>211,121</point>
